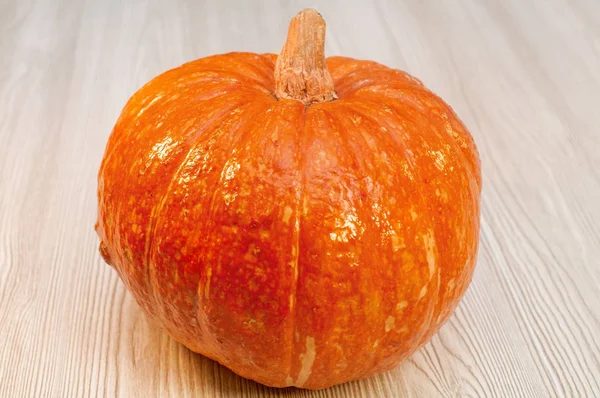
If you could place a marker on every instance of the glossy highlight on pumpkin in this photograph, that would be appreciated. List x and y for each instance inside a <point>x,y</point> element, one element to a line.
<point>297,244</point>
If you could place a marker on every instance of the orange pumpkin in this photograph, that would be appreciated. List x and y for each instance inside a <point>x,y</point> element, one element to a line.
<point>304,221</point>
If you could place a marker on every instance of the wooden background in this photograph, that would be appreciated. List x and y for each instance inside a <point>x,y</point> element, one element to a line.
<point>523,75</point>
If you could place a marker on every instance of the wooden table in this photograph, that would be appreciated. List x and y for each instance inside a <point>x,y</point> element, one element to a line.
<point>523,75</point>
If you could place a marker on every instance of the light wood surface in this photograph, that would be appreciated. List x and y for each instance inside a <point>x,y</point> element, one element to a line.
<point>523,75</point>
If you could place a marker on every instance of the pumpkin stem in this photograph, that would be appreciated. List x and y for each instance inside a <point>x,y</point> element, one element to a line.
<point>301,71</point>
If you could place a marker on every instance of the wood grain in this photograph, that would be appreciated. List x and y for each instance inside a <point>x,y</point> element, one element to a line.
<point>523,75</point>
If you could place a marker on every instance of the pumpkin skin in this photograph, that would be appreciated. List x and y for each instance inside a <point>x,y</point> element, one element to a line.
<point>303,245</point>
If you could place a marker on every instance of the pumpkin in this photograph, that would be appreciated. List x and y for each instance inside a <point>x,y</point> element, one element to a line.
<point>303,221</point>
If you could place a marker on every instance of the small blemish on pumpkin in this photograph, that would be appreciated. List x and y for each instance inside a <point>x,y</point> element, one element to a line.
<point>252,253</point>
<point>429,243</point>
<point>207,287</point>
<point>307,359</point>
<point>407,171</point>
<point>390,323</point>
<point>341,365</point>
<point>397,243</point>
<point>423,292</point>
<point>294,252</point>
<point>451,283</point>
<point>128,253</point>
<point>413,213</point>
<point>229,198</point>
<point>443,195</point>
<point>376,343</point>
<point>287,213</point>
<point>401,305</point>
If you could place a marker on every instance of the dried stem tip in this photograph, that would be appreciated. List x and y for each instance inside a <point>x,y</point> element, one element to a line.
<point>301,71</point>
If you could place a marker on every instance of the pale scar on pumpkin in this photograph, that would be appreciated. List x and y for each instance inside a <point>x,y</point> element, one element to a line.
<point>451,284</point>
<point>287,213</point>
<point>294,265</point>
<point>429,243</point>
<point>423,292</point>
<point>397,242</point>
<point>207,287</point>
<point>442,194</point>
<point>390,323</point>
<point>407,172</point>
<point>401,306</point>
<point>413,213</point>
<point>294,261</point>
<point>308,359</point>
